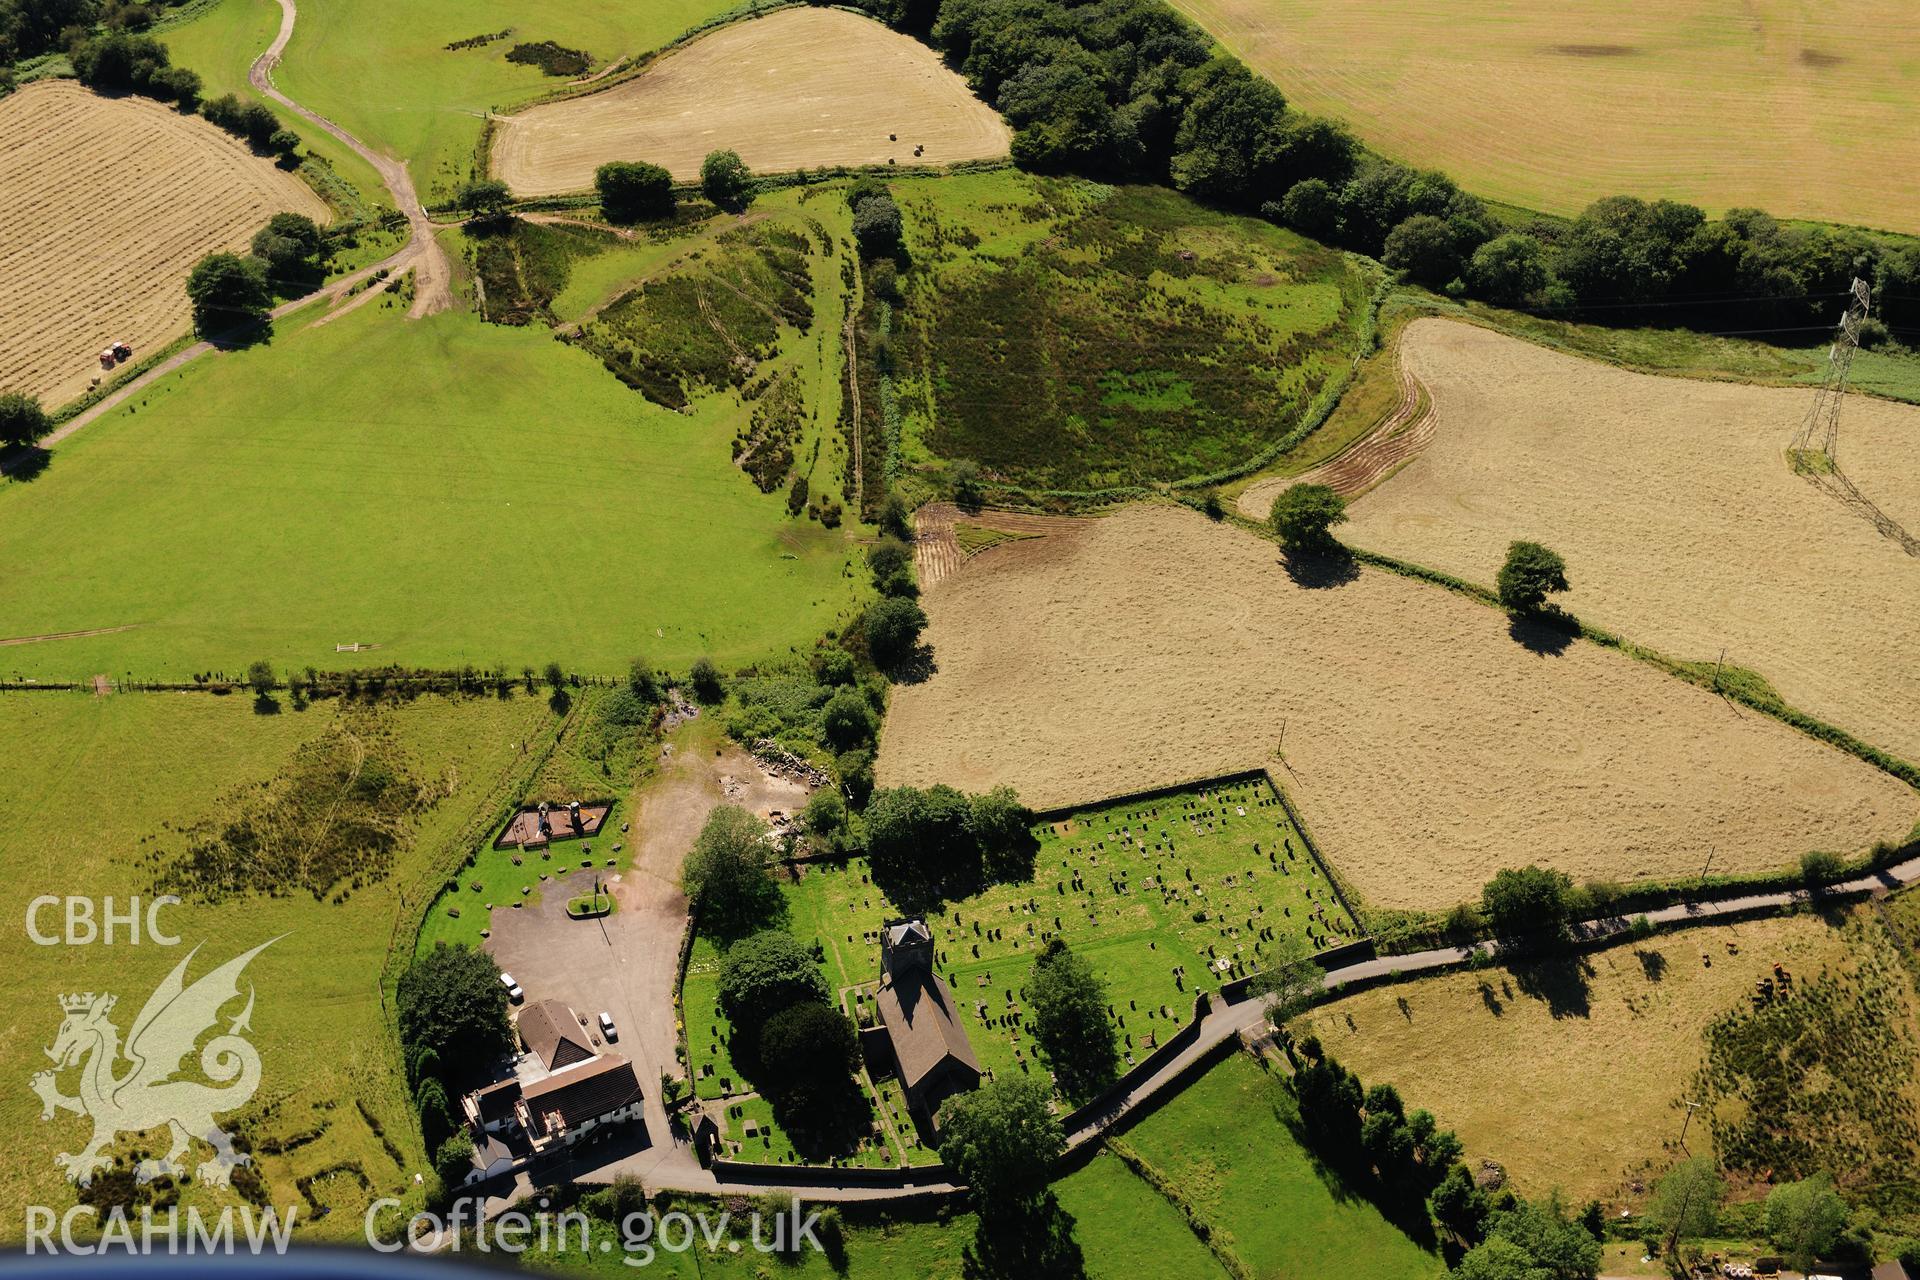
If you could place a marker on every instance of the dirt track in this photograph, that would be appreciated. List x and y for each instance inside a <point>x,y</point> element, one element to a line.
<point>432,276</point>
<point>1680,521</point>
<point>800,88</point>
<point>1426,746</point>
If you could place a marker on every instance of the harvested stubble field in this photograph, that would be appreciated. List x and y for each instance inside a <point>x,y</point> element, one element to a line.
<point>801,88</point>
<point>1680,521</point>
<point>1594,1052</point>
<point>1426,747</point>
<point>114,200</point>
<point>1553,106</point>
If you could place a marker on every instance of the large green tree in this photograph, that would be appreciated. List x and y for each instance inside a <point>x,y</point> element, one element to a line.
<point>726,180</point>
<point>451,1000</point>
<point>1530,899</point>
<point>1530,574</point>
<point>630,191</point>
<point>22,420</point>
<point>1686,1200</point>
<point>1002,1139</point>
<point>766,972</point>
<point>1304,515</point>
<point>725,873</point>
<point>1070,1022</point>
<point>1559,1245</point>
<point>1805,1219</point>
<point>893,627</point>
<point>229,294</point>
<point>808,1046</point>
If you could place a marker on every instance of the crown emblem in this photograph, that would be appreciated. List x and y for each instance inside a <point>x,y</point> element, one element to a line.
<point>82,1003</point>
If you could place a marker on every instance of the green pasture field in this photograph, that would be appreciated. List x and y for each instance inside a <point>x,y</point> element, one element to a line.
<point>107,796</point>
<point>1007,349</point>
<point>1120,1226</point>
<point>452,491</point>
<point>1227,1143</point>
<point>1125,1228</point>
<point>385,74</point>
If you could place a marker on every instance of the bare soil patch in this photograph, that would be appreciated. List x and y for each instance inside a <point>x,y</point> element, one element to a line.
<point>114,199</point>
<point>800,88</point>
<point>1593,1053</point>
<point>1680,521</point>
<point>1425,747</point>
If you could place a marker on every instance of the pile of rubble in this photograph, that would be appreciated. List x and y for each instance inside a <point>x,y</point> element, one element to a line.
<point>782,763</point>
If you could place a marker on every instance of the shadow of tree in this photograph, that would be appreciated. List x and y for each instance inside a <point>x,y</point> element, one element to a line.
<point>1564,982</point>
<point>25,462</point>
<point>266,704</point>
<point>1349,1180</point>
<point>1546,635</point>
<point>1652,964</point>
<point>916,668</point>
<point>1321,570</point>
<point>1018,1244</point>
<point>1491,1000</point>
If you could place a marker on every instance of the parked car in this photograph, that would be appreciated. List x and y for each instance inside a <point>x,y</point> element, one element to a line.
<point>606,1026</point>
<point>514,993</point>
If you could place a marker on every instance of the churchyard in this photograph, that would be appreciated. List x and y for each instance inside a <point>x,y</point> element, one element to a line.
<point>1165,896</point>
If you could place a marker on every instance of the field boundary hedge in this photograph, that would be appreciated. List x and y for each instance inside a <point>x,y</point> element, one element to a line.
<point>1167,1189</point>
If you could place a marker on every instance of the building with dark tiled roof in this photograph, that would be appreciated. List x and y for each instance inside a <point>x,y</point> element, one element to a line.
<point>570,1103</point>
<point>552,1031</point>
<point>931,1052</point>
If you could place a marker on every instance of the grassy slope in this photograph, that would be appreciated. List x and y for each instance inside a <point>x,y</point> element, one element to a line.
<point>114,772</point>
<point>1226,1142</point>
<point>453,491</point>
<point>384,73</point>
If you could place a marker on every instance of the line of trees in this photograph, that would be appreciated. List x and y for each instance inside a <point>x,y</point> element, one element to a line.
<point>1130,90</point>
<point>123,62</point>
<point>1411,1168</point>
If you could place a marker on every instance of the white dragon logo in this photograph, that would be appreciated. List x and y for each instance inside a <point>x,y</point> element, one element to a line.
<point>146,1096</point>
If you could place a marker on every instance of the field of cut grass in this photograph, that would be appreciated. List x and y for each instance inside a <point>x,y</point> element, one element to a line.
<point>806,87</point>
<point>95,176</point>
<point>1226,1144</point>
<point>1594,1053</point>
<point>1429,740</point>
<point>114,796</point>
<point>1673,504</point>
<point>450,491</point>
<point>1067,335</point>
<point>405,92</point>
<point>1551,108</point>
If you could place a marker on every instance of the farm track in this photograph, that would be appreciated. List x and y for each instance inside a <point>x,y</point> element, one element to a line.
<point>1397,440</point>
<point>422,253</point>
